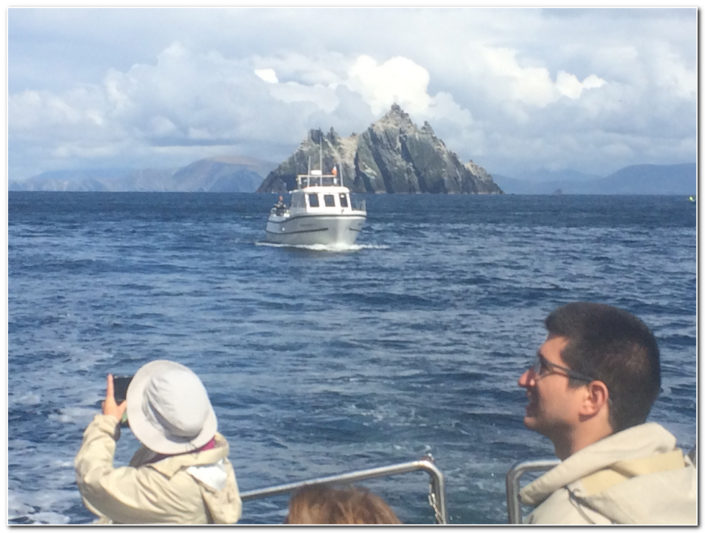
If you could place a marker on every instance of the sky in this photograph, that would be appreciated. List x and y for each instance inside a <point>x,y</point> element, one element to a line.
<point>515,90</point>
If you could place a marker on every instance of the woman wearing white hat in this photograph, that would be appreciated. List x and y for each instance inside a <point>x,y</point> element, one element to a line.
<point>180,475</point>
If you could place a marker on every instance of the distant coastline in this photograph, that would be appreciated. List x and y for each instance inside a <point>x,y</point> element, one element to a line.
<point>678,179</point>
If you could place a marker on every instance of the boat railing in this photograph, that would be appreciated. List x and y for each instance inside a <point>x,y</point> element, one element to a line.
<point>513,477</point>
<point>312,180</point>
<point>436,496</point>
<point>539,465</point>
<point>278,210</point>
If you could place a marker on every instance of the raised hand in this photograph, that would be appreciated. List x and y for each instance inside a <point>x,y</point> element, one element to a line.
<point>110,407</point>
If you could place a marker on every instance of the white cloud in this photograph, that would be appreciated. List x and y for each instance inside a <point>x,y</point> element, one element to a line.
<point>518,86</point>
<point>398,80</point>
<point>593,82</point>
<point>672,74</point>
<point>72,113</point>
<point>569,85</point>
<point>321,96</point>
<point>530,85</point>
<point>267,74</point>
<point>160,126</point>
<point>322,67</point>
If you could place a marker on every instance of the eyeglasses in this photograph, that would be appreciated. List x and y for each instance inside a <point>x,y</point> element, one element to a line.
<point>542,367</point>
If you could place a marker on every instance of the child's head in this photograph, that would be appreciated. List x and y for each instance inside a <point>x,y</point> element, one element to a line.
<point>323,504</point>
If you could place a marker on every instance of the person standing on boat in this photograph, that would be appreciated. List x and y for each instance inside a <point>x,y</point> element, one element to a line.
<point>280,206</point>
<point>590,391</point>
<point>181,474</point>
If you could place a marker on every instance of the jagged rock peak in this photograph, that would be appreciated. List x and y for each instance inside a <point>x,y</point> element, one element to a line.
<point>395,116</point>
<point>317,137</point>
<point>392,156</point>
<point>427,129</point>
<point>397,110</point>
<point>333,136</point>
<point>478,171</point>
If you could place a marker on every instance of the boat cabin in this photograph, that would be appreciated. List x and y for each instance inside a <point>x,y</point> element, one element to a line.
<point>313,199</point>
<point>316,178</point>
<point>316,190</point>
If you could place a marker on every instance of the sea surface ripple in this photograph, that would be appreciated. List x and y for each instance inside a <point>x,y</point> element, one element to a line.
<point>325,361</point>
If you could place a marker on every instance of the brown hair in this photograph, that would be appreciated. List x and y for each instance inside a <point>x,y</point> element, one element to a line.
<point>323,504</point>
<point>613,346</point>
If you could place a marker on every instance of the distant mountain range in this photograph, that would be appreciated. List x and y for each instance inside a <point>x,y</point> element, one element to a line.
<point>392,156</point>
<point>680,179</point>
<point>219,175</point>
<point>205,175</point>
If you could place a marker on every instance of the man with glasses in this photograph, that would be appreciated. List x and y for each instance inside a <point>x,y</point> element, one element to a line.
<point>589,391</point>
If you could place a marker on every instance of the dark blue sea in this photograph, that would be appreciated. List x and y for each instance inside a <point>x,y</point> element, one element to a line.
<point>318,361</point>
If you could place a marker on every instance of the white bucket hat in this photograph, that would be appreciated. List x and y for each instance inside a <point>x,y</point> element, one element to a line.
<point>168,408</point>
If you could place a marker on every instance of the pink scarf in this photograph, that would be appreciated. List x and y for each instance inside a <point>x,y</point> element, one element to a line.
<point>207,446</point>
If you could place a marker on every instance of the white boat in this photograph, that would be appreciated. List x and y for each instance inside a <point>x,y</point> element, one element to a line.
<point>321,212</point>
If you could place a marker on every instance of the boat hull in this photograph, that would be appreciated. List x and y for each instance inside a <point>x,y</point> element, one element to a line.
<point>305,230</point>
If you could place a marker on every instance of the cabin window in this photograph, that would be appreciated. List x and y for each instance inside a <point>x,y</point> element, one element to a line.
<point>313,200</point>
<point>343,199</point>
<point>297,200</point>
<point>329,200</point>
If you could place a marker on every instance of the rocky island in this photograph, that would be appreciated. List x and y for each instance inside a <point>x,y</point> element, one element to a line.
<point>392,156</point>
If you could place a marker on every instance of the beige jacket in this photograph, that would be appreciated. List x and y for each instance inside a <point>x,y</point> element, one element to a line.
<point>192,488</point>
<point>636,476</point>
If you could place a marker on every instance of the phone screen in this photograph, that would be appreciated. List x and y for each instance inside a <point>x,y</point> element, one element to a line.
<point>120,384</point>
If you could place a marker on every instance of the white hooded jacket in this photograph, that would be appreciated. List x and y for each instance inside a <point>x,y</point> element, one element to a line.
<point>635,476</point>
<point>191,488</point>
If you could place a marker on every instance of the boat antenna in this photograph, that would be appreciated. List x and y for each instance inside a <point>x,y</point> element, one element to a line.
<point>320,156</point>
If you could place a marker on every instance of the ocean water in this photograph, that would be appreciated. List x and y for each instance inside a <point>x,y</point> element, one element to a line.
<point>325,361</point>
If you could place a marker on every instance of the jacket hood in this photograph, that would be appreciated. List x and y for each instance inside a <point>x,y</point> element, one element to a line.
<point>219,491</point>
<point>215,477</point>
<point>629,477</point>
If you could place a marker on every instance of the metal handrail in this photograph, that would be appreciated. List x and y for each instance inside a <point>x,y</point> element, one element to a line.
<point>438,491</point>
<point>513,475</point>
<point>522,467</point>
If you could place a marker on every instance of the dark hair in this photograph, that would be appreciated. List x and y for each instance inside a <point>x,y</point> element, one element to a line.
<point>324,504</point>
<point>615,347</point>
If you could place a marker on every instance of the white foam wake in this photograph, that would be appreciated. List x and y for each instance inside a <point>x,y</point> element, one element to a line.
<point>325,247</point>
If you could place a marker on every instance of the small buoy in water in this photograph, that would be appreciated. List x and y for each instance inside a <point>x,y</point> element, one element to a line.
<point>691,198</point>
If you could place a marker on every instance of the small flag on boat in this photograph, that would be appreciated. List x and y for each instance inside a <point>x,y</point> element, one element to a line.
<point>334,171</point>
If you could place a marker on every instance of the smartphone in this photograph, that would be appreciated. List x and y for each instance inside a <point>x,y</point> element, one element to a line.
<point>120,384</point>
